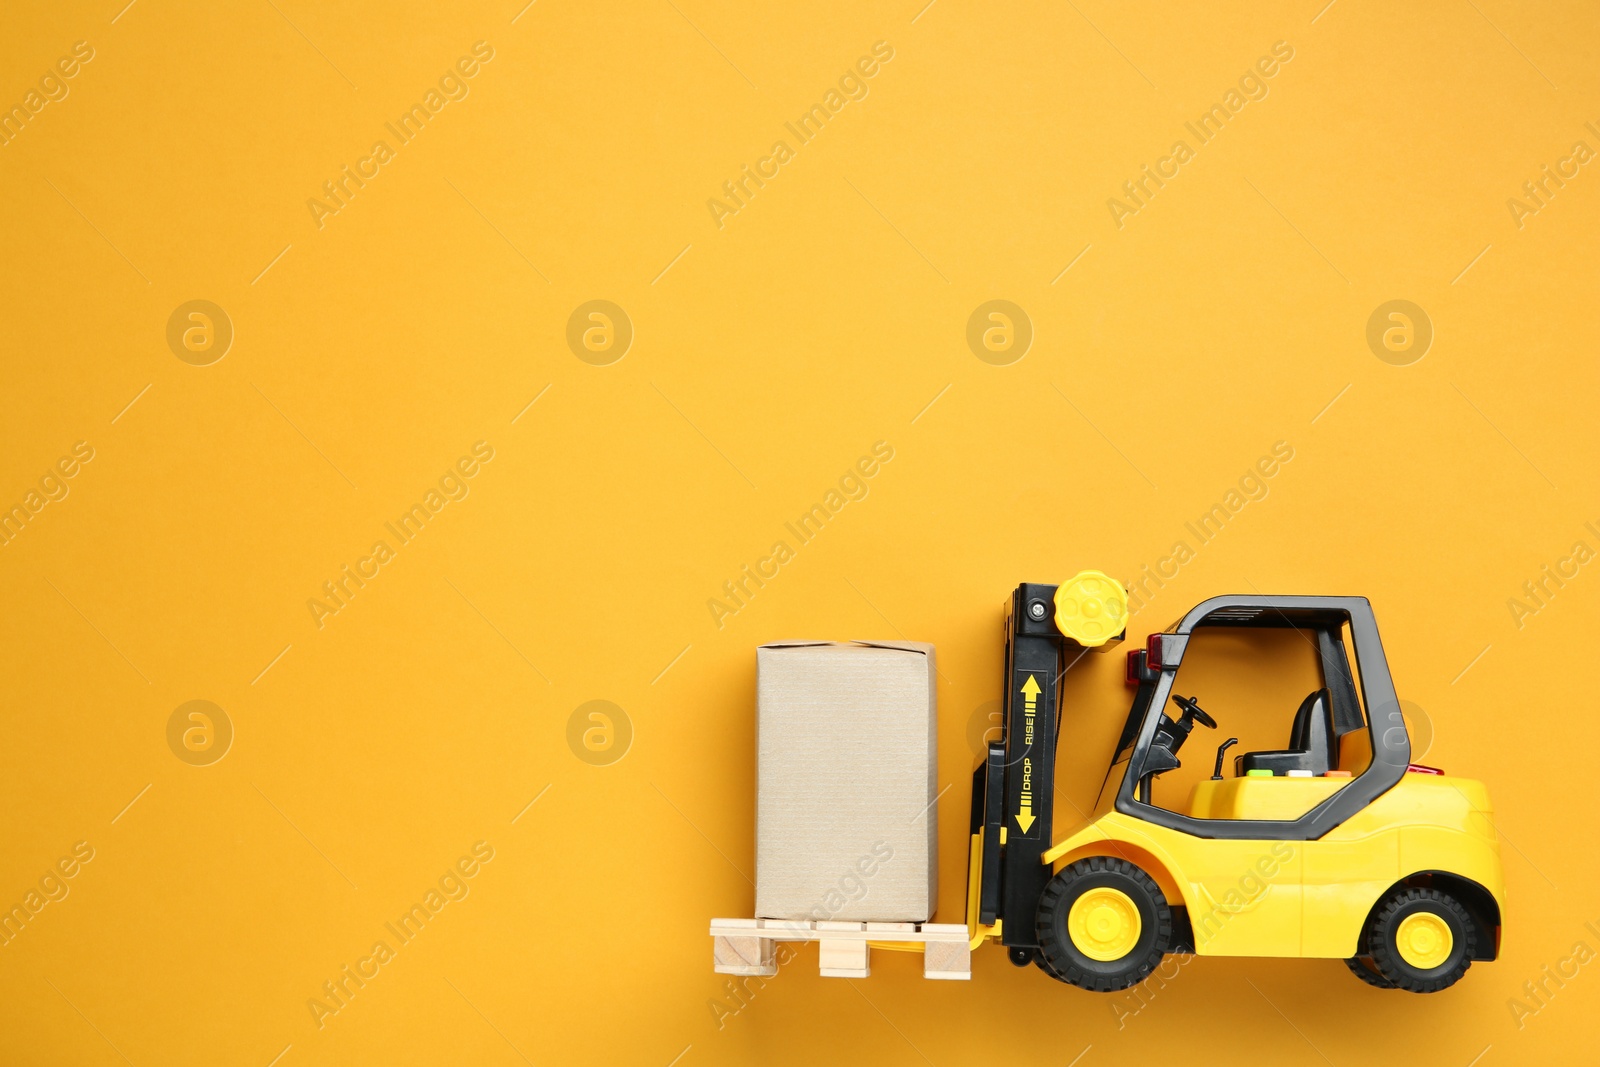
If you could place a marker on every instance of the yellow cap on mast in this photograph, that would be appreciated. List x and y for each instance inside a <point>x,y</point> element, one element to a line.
<point>1092,609</point>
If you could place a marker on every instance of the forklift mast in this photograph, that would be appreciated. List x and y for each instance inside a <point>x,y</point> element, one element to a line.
<point>1035,661</point>
<point>1013,790</point>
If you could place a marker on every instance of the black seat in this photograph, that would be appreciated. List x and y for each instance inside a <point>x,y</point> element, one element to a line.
<point>1310,742</point>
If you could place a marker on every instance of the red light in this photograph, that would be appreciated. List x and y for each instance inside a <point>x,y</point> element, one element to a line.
<point>1132,677</point>
<point>1417,768</point>
<point>1152,649</point>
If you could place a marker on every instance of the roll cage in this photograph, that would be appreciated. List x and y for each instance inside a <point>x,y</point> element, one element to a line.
<point>1156,668</point>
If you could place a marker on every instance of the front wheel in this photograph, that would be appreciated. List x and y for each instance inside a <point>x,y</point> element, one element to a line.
<point>1103,924</point>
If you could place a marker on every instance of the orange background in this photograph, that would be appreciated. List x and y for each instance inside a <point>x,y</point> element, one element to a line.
<point>369,354</point>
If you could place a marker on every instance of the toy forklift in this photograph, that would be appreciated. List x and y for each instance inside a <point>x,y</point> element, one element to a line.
<point>1335,846</point>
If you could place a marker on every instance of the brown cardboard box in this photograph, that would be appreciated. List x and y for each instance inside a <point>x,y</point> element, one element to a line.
<point>846,735</point>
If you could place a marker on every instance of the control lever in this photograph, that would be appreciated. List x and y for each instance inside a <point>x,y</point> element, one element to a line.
<point>1216,773</point>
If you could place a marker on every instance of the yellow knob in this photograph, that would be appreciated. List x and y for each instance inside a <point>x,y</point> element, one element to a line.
<point>1091,608</point>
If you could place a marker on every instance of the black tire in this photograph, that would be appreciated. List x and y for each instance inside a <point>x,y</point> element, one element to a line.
<point>1382,944</point>
<point>1363,968</point>
<point>1064,960</point>
<point>1044,965</point>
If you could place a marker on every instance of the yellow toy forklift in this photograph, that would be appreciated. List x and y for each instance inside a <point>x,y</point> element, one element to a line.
<point>1334,846</point>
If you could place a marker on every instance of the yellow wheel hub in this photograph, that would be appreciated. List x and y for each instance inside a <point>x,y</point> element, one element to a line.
<point>1091,608</point>
<point>1104,924</point>
<point>1424,940</point>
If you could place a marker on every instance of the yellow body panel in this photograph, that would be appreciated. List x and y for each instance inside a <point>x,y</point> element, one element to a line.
<point>1261,798</point>
<point>1302,898</point>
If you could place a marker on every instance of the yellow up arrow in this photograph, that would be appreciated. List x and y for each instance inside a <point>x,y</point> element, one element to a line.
<point>1030,691</point>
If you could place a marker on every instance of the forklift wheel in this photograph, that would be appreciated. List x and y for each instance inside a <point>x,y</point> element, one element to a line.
<point>1363,968</point>
<point>1044,965</point>
<point>1421,940</point>
<point>1103,924</point>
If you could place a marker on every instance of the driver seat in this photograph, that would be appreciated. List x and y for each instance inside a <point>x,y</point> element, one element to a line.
<point>1310,742</point>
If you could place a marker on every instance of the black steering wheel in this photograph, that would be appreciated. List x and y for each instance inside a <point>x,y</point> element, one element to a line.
<point>1193,712</point>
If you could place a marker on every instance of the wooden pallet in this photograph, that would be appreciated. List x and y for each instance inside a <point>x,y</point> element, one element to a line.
<point>748,946</point>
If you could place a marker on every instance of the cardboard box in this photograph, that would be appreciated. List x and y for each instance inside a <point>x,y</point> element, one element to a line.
<point>846,827</point>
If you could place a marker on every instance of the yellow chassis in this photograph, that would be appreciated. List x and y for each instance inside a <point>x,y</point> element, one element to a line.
<point>1295,898</point>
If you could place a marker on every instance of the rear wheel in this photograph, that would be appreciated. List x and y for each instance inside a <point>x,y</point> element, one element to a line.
<point>1421,940</point>
<point>1363,968</point>
<point>1103,924</point>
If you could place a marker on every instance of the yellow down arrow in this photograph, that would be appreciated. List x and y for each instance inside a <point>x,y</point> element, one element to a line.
<point>1030,706</point>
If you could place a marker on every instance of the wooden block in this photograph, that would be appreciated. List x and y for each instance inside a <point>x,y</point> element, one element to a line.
<point>846,825</point>
<point>947,959</point>
<point>744,955</point>
<point>843,959</point>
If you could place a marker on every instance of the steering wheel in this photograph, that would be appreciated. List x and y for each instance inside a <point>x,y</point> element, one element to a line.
<point>1193,712</point>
